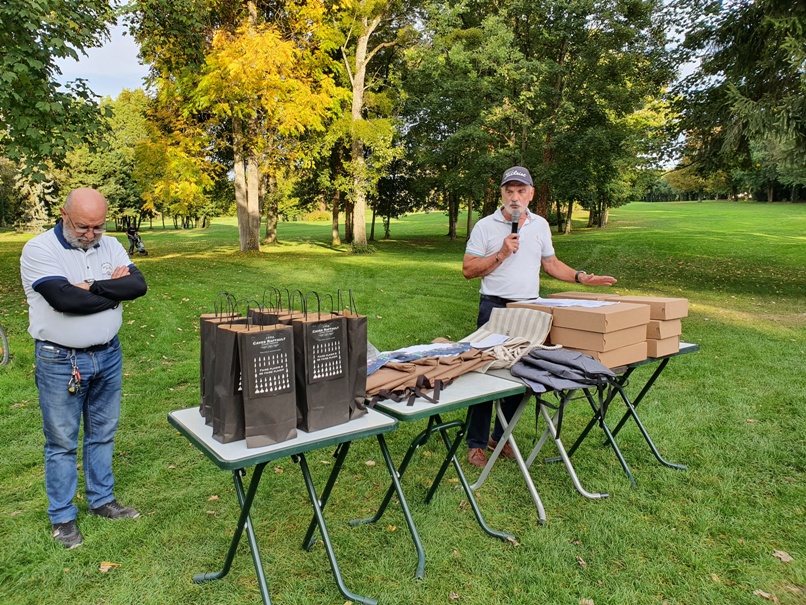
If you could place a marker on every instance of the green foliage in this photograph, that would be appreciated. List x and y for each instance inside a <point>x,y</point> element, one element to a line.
<point>750,88</point>
<point>40,120</point>
<point>734,413</point>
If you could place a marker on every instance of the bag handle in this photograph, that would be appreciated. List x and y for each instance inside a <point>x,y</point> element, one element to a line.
<point>350,302</point>
<point>318,305</point>
<point>224,300</point>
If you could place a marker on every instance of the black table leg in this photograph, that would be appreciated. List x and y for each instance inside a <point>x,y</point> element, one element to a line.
<point>320,521</point>
<point>244,522</point>
<point>341,453</point>
<point>451,458</point>
<point>631,412</point>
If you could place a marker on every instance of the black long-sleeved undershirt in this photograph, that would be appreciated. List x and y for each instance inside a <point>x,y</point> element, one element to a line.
<point>103,294</point>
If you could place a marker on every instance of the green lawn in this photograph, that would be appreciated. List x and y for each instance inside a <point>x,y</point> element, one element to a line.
<point>735,413</point>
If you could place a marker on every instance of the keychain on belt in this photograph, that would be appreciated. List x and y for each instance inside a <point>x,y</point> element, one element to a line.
<point>74,386</point>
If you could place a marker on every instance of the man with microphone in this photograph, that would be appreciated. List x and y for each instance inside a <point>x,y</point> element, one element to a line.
<point>506,250</point>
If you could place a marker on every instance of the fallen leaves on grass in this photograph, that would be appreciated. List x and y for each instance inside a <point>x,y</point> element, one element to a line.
<point>106,566</point>
<point>213,498</point>
<point>278,470</point>
<point>454,596</point>
<point>586,602</point>
<point>784,556</point>
<point>581,562</point>
<point>370,463</point>
<point>766,595</point>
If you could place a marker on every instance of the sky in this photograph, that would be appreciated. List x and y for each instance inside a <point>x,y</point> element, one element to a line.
<point>108,69</point>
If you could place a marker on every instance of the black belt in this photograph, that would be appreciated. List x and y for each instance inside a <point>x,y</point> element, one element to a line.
<point>92,349</point>
<point>498,300</point>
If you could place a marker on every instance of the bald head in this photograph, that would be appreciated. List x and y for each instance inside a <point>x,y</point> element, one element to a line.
<point>84,212</point>
<point>85,199</point>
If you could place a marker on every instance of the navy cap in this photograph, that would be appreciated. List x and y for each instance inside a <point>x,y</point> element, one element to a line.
<point>518,174</point>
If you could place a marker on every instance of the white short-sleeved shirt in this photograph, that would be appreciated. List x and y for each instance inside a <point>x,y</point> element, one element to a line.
<point>518,276</point>
<point>49,256</point>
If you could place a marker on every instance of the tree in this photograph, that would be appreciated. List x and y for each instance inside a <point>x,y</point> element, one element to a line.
<point>369,27</point>
<point>254,77</point>
<point>40,119</point>
<point>109,164</point>
<point>750,86</point>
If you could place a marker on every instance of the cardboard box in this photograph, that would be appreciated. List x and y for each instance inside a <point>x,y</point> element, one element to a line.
<point>621,356</point>
<point>661,308</point>
<point>609,318</point>
<point>584,295</point>
<point>661,347</point>
<point>658,329</point>
<point>597,341</point>
<point>549,310</point>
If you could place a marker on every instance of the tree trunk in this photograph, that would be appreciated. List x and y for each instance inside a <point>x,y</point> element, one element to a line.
<point>253,202</point>
<point>469,215</point>
<point>359,168</point>
<point>372,225</point>
<point>568,217</point>
<point>770,193</point>
<point>335,240</point>
<point>348,223</point>
<point>543,191</point>
<point>453,214</point>
<point>271,210</point>
<point>240,183</point>
<point>559,216</point>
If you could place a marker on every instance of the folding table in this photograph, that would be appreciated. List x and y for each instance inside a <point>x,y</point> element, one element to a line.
<point>236,457</point>
<point>600,406</point>
<point>599,400</point>
<point>466,391</point>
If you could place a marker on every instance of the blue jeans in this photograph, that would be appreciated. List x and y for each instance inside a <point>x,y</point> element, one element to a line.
<point>478,432</point>
<point>98,403</point>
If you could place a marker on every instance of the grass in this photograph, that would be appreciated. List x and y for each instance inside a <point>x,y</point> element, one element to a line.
<point>735,413</point>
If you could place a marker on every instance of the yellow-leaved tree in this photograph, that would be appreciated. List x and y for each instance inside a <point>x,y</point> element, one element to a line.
<point>270,88</point>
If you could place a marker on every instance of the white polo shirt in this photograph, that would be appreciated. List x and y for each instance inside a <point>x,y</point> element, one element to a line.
<point>518,276</point>
<point>49,256</point>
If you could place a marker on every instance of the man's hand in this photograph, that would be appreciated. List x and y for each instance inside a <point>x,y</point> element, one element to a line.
<point>510,245</point>
<point>120,272</point>
<point>589,279</point>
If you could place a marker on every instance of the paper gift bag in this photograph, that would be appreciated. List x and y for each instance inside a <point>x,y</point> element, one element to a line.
<point>266,356</point>
<point>227,405</point>
<point>224,306</point>
<point>356,356</point>
<point>320,366</point>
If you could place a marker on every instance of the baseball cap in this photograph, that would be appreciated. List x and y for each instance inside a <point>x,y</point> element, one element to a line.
<point>518,174</point>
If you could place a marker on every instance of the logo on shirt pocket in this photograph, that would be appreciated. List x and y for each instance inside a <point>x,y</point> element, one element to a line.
<point>106,269</point>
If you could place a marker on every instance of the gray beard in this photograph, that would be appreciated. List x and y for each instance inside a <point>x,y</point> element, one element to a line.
<point>81,244</point>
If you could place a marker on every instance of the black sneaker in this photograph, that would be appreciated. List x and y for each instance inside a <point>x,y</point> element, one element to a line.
<point>115,510</point>
<point>67,534</point>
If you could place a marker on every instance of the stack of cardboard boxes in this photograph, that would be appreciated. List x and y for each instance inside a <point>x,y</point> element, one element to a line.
<point>665,325</point>
<point>630,331</point>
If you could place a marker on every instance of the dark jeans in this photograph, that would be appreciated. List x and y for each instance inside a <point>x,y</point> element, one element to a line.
<point>478,432</point>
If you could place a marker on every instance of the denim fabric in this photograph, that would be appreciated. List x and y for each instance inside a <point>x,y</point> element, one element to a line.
<point>98,403</point>
<point>478,432</point>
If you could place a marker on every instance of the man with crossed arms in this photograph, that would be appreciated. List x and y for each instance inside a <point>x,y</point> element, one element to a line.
<point>75,280</point>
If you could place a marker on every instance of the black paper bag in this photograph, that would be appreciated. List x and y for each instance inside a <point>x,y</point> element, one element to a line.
<point>269,393</point>
<point>356,326</point>
<point>207,357</point>
<point>227,406</point>
<point>320,366</point>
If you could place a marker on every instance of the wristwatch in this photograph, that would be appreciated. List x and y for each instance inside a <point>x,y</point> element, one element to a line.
<point>576,277</point>
<point>89,281</point>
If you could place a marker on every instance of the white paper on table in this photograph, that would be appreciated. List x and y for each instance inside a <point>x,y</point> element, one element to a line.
<point>569,302</point>
<point>493,340</point>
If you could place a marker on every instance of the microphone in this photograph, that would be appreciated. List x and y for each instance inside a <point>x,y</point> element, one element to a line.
<point>516,217</point>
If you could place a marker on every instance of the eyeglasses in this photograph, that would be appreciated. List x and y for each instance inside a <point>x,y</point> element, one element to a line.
<point>83,230</point>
